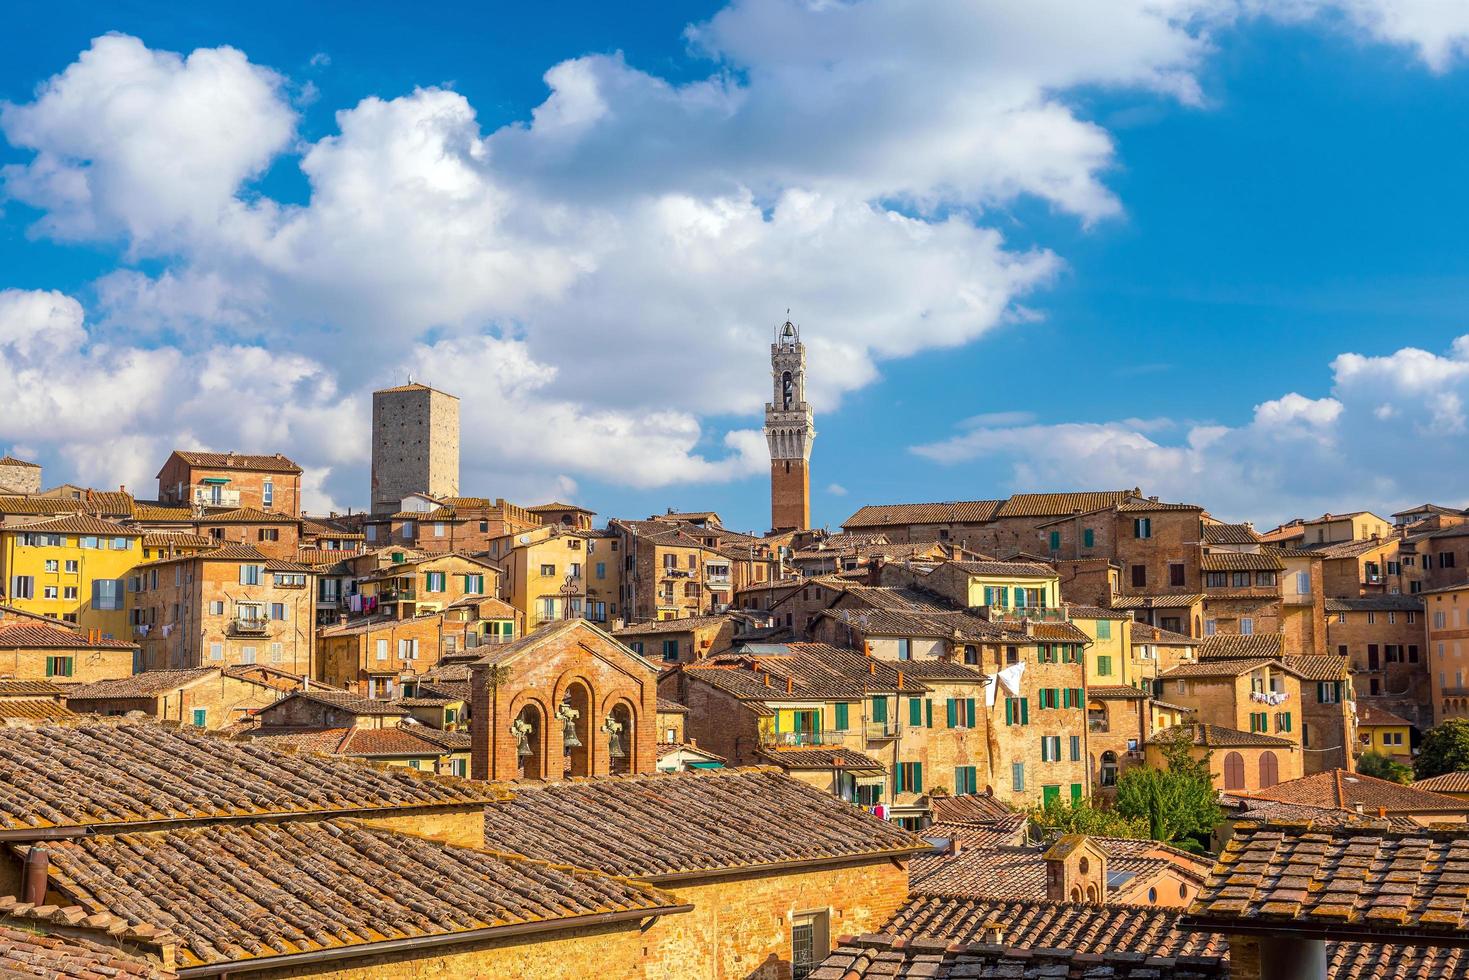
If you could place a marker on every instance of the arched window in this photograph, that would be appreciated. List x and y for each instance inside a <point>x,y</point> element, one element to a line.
<point>1234,771</point>
<point>1152,896</point>
<point>1269,769</point>
<point>1109,768</point>
<point>531,764</point>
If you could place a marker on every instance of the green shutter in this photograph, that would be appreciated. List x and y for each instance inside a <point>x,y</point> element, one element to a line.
<point>1025,711</point>
<point>969,711</point>
<point>1009,711</point>
<point>918,777</point>
<point>928,705</point>
<point>1076,792</point>
<point>880,710</point>
<point>1050,794</point>
<point>841,717</point>
<point>898,779</point>
<point>1066,697</point>
<point>50,666</point>
<point>1055,540</point>
<point>915,712</point>
<point>1088,537</point>
<point>951,713</point>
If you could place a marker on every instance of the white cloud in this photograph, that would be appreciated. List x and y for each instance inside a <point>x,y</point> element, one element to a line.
<point>1387,421</point>
<point>610,266</point>
<point>836,489</point>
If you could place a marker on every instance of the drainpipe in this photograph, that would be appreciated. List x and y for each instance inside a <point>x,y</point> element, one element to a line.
<point>33,886</point>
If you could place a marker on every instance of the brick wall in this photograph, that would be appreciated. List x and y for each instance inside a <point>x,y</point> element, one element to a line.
<point>790,494</point>
<point>1401,686</point>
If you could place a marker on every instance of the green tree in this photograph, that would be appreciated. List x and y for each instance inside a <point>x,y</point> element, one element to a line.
<point>1085,817</point>
<point>1444,749</point>
<point>1178,802</point>
<point>1383,767</point>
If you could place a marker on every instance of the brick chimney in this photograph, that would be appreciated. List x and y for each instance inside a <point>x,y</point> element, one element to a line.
<point>1076,870</point>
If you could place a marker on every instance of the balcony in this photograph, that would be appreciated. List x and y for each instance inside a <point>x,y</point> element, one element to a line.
<point>792,739</point>
<point>675,573</point>
<point>1097,725</point>
<point>215,497</point>
<point>1014,614</point>
<point>398,595</point>
<point>249,626</point>
<point>875,730</point>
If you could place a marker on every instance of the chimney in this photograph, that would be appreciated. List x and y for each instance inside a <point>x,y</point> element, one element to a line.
<point>956,844</point>
<point>900,679</point>
<point>871,667</point>
<point>1359,809</point>
<point>790,685</point>
<point>33,885</point>
<point>993,933</point>
<point>767,680</point>
<point>874,570</point>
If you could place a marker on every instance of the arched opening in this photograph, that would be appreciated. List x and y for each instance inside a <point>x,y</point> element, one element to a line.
<point>575,715</point>
<point>1109,768</point>
<point>1083,865</point>
<point>1091,893</point>
<point>1269,769</point>
<point>621,740</point>
<point>1234,771</point>
<point>787,391</point>
<point>1096,716</point>
<point>530,750</point>
<point>1075,894</point>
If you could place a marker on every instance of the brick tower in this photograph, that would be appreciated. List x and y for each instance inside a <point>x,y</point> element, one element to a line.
<point>789,430</point>
<point>415,444</point>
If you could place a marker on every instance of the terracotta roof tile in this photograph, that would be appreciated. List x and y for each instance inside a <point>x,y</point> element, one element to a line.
<point>1326,667</point>
<point>1343,882</point>
<point>26,950</point>
<point>38,635</point>
<point>102,774</point>
<point>813,670</point>
<point>1059,504</point>
<point>1019,569</point>
<point>237,461</point>
<point>1370,714</point>
<point>1220,668</point>
<point>9,460</point>
<point>245,515</point>
<point>1164,600</point>
<point>1235,561</point>
<point>1219,737</point>
<point>1240,645</point>
<point>688,822</point>
<point>1230,534</point>
<point>44,689</point>
<point>256,890</point>
<point>147,684</point>
<point>84,524</point>
<point>668,706</point>
<point>346,701</point>
<point>176,539</point>
<point>34,709</point>
<point>1376,603</point>
<point>1147,633</point>
<point>972,808</point>
<point>1116,692</point>
<point>875,956</point>
<point>819,757</point>
<point>953,512</point>
<point>682,625</point>
<point>1449,782</point>
<point>1344,790</point>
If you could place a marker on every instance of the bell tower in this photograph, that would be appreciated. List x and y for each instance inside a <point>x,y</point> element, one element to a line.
<point>789,429</point>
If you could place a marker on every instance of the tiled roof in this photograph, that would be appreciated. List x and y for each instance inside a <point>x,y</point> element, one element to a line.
<point>1369,714</point>
<point>346,701</point>
<point>1220,668</point>
<point>238,461</point>
<point>814,671</point>
<point>1350,549</point>
<point>1043,924</point>
<point>1240,645</point>
<point>1430,508</point>
<point>1065,632</point>
<point>1325,667</point>
<point>952,512</point>
<point>1059,504</point>
<point>973,808</point>
<point>1236,561</point>
<point>820,757</point>
<point>1166,600</point>
<point>1320,816</point>
<point>145,685</point>
<point>878,621</point>
<point>1376,603</point>
<point>1115,692</point>
<point>404,740</point>
<point>101,774</point>
<point>79,524</point>
<point>9,460</point>
<point>228,552</point>
<point>152,513</point>
<point>1147,633</point>
<point>683,625</point>
<point>1008,831</point>
<point>14,504</point>
<point>273,677</point>
<point>29,689</point>
<point>1344,882</point>
<point>1219,737</point>
<point>34,709</point>
<point>257,890</point>
<point>648,826</point>
<point>1230,534</point>
<point>1138,505</point>
<point>246,515</point>
<point>37,635</point>
<point>941,670</point>
<point>877,956</point>
<point>26,951</point>
<point>667,706</point>
<point>1016,569</point>
<point>176,539</point>
<point>1449,782</point>
<point>1079,611</point>
<point>1344,790</point>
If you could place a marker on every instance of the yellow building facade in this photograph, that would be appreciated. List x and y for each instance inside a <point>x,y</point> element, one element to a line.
<point>71,568</point>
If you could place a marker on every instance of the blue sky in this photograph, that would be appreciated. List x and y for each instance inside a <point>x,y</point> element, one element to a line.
<point>1030,253</point>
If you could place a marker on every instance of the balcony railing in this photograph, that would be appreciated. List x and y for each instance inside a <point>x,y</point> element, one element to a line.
<point>399,595</point>
<point>675,573</point>
<point>881,729</point>
<point>800,738</point>
<point>249,626</point>
<point>210,497</point>
<point>1096,725</point>
<point>1014,614</point>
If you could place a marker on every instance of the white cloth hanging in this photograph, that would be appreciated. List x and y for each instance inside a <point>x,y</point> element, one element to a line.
<point>1011,677</point>
<point>990,684</point>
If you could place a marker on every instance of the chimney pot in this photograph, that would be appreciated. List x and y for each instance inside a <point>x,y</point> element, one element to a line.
<point>790,685</point>
<point>37,865</point>
<point>871,668</point>
<point>767,680</point>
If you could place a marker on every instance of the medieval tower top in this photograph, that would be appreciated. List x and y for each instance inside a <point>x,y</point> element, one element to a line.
<point>790,430</point>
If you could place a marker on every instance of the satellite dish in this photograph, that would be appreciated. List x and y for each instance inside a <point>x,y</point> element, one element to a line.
<point>524,539</point>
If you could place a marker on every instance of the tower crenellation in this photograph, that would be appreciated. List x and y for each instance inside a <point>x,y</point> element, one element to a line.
<point>789,431</point>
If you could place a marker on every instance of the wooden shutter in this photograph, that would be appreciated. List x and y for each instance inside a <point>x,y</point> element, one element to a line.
<point>915,712</point>
<point>951,713</point>
<point>969,711</point>
<point>1025,711</point>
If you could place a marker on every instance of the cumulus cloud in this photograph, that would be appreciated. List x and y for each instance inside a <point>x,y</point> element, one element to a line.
<point>1387,420</point>
<point>612,264</point>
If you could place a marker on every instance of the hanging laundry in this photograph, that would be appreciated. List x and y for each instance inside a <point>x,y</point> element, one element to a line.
<point>1011,677</point>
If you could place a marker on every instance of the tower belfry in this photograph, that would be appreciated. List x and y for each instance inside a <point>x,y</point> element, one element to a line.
<point>789,429</point>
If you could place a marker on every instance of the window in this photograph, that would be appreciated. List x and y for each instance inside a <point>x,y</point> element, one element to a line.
<point>1240,580</point>
<point>91,542</point>
<point>636,646</point>
<point>1269,769</point>
<point>1139,576</point>
<point>1371,618</point>
<point>909,777</point>
<point>1017,711</point>
<point>905,648</point>
<point>1142,527</point>
<point>371,530</point>
<point>1104,666</point>
<point>1017,777</point>
<point>1265,579</point>
<point>24,587</point>
<point>48,592</point>
<point>247,655</point>
<point>549,570</point>
<point>1055,540</point>
<point>59,666</point>
<point>435,581</point>
<point>1104,629</point>
<point>1216,580</point>
<point>250,574</point>
<point>809,944</point>
<point>216,651</point>
<point>1175,573</point>
<point>880,711</point>
<point>438,529</point>
<point>216,607</point>
<point>382,650</point>
<point>1246,626</point>
<point>1050,748</point>
<point>843,716</point>
<point>267,493</point>
<point>1438,620</point>
<point>1076,748</point>
<point>601,569</point>
<point>670,650</point>
<point>269,534</point>
<point>1282,721</point>
<point>1234,771</point>
<point>1328,692</point>
<point>966,780</point>
<point>52,565</point>
<point>1088,538</point>
<point>201,717</point>
<point>474,585</point>
<point>71,566</point>
<point>409,530</point>
<point>69,592</point>
<point>107,593</point>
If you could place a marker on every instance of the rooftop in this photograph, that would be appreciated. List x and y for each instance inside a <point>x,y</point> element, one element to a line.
<point>1234,645</point>
<point>255,891</point>
<point>1230,534</point>
<point>149,683</point>
<point>35,633</point>
<point>952,512</point>
<point>688,824</point>
<point>1376,603</point>
<point>1345,790</point>
<point>874,956</point>
<point>1240,561</point>
<point>97,775</point>
<point>1449,782</point>
<point>28,950</point>
<point>1219,737</point>
<point>275,463</point>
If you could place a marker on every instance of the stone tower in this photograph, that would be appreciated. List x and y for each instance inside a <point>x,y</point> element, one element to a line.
<point>415,445</point>
<point>789,429</point>
<point>18,476</point>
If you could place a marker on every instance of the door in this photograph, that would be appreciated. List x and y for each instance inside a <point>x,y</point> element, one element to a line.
<point>1050,794</point>
<point>1372,661</point>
